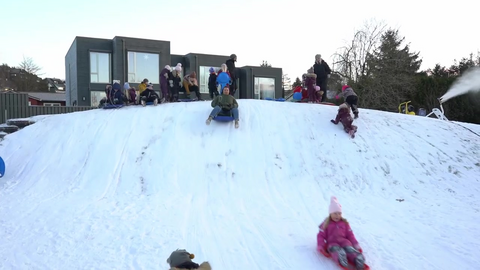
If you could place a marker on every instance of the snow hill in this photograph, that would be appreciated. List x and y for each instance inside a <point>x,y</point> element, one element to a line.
<point>122,189</point>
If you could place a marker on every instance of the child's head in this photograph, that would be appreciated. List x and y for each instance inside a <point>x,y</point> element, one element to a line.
<point>345,87</point>
<point>212,70</point>
<point>335,209</point>
<point>150,86</point>
<point>310,70</point>
<point>224,67</point>
<point>169,68</point>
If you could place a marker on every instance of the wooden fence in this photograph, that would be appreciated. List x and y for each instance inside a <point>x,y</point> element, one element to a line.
<point>15,105</point>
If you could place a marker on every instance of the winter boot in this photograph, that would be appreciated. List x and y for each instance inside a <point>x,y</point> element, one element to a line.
<point>209,120</point>
<point>342,255</point>
<point>163,100</point>
<point>352,133</point>
<point>360,262</point>
<point>155,102</point>
<point>144,101</point>
<point>236,124</point>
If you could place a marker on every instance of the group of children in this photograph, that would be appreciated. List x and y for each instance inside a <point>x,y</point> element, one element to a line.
<point>219,81</point>
<point>335,239</point>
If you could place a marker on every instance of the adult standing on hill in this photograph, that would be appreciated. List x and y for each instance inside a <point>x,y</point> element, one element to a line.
<point>323,71</point>
<point>231,68</point>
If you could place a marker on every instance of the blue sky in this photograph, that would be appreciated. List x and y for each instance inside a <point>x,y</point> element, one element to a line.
<point>287,34</point>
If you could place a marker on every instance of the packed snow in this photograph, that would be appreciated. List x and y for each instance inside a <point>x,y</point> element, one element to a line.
<point>122,189</point>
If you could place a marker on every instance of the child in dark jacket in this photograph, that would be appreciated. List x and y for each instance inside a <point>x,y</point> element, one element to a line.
<point>212,83</point>
<point>116,95</point>
<point>149,95</point>
<point>344,116</point>
<point>181,259</point>
<point>336,239</point>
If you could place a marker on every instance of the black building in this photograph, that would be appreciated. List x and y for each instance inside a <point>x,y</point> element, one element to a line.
<point>91,63</point>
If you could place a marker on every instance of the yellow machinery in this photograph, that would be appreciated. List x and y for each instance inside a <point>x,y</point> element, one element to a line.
<point>405,108</point>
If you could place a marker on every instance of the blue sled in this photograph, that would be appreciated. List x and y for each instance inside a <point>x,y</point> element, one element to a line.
<point>111,106</point>
<point>2,167</point>
<point>278,99</point>
<point>186,100</point>
<point>223,118</point>
<point>149,103</point>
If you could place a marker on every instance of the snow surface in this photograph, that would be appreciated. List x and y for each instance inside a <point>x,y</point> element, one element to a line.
<point>122,189</point>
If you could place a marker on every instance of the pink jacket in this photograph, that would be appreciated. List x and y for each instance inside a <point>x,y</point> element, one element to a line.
<point>337,233</point>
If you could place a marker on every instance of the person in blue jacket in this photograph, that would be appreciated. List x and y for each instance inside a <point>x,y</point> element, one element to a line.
<point>223,78</point>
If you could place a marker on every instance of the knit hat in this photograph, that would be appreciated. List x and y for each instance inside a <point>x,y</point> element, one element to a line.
<point>116,86</point>
<point>334,205</point>
<point>345,87</point>
<point>317,88</point>
<point>178,68</point>
<point>169,68</point>
<point>211,70</point>
<point>150,86</point>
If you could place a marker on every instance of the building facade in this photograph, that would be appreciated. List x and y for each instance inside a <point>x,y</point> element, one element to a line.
<point>92,63</point>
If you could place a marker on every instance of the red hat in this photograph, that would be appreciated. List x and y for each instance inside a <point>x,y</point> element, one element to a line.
<point>345,87</point>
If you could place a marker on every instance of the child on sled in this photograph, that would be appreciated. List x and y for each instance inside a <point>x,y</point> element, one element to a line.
<point>336,239</point>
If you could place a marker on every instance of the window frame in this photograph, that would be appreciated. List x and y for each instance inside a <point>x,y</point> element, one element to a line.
<point>97,65</point>
<point>258,91</point>
<point>154,80</point>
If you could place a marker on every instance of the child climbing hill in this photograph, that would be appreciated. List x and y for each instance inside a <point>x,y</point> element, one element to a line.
<point>336,239</point>
<point>344,116</point>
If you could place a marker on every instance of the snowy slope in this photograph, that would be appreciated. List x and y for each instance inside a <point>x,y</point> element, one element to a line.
<point>122,189</point>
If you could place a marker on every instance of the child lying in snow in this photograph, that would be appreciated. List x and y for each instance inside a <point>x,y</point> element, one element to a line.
<point>344,116</point>
<point>180,259</point>
<point>337,240</point>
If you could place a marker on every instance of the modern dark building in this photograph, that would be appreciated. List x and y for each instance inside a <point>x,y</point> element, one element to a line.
<point>91,63</point>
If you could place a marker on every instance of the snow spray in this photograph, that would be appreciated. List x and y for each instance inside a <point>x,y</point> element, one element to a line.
<point>468,82</point>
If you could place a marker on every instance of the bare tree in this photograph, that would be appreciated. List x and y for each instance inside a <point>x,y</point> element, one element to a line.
<point>286,84</point>
<point>29,66</point>
<point>350,61</point>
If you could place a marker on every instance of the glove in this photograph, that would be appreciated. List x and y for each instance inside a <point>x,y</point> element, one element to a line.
<point>333,121</point>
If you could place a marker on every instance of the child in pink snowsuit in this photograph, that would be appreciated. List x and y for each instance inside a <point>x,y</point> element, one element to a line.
<point>337,239</point>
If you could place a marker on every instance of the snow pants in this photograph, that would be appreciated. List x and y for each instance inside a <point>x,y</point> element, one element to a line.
<point>346,254</point>
<point>352,101</point>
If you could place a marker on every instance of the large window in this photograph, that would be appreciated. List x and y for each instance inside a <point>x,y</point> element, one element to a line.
<point>264,88</point>
<point>203,77</point>
<point>95,97</point>
<point>100,67</point>
<point>143,65</point>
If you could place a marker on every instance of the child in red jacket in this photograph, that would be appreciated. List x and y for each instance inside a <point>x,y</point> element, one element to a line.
<point>345,117</point>
<point>336,239</point>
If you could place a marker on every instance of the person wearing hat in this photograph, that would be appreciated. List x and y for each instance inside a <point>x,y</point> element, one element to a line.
<point>181,259</point>
<point>165,74</point>
<point>212,83</point>
<point>336,239</point>
<point>232,70</point>
<point>323,72</point>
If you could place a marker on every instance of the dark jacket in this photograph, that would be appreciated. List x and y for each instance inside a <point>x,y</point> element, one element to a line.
<point>231,67</point>
<point>212,82</point>
<point>322,70</point>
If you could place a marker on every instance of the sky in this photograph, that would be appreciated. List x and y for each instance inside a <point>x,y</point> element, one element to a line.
<point>287,34</point>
